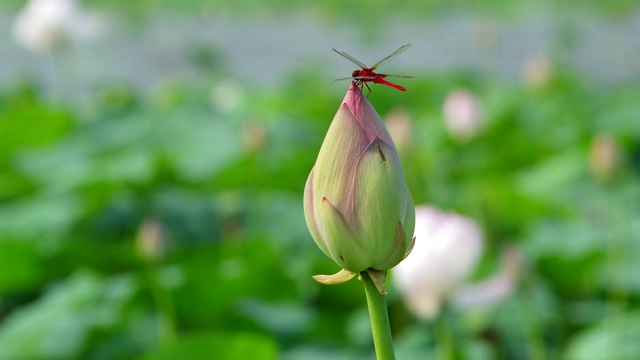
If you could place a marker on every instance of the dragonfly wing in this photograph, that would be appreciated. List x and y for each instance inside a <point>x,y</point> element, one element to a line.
<point>365,78</point>
<point>390,57</point>
<point>351,58</point>
<point>400,76</point>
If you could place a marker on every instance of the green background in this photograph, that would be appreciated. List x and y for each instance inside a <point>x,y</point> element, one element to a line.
<point>225,183</point>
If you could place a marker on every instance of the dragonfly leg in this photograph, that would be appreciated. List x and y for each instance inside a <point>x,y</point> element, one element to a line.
<point>368,88</point>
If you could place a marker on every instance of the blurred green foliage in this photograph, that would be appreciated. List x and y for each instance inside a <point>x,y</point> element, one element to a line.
<point>224,180</point>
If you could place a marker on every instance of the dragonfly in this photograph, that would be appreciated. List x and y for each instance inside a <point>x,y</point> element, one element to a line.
<point>368,74</point>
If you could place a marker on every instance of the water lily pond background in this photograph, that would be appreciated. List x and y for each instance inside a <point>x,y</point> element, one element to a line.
<point>151,179</point>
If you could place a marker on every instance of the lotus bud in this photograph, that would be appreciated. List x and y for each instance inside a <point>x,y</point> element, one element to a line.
<point>536,71</point>
<point>150,243</point>
<point>356,203</point>
<point>603,156</point>
<point>254,137</point>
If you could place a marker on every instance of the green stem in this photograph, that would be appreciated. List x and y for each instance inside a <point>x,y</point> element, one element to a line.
<point>164,306</point>
<point>379,319</point>
<point>532,331</point>
<point>444,338</point>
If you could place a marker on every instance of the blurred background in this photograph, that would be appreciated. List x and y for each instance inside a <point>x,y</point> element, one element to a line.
<point>153,156</point>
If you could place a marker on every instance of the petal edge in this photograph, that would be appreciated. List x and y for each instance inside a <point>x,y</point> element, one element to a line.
<point>337,278</point>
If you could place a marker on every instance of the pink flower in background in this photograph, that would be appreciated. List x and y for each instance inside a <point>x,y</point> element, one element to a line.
<point>536,71</point>
<point>447,248</point>
<point>494,289</point>
<point>48,25</point>
<point>150,244</point>
<point>254,136</point>
<point>461,113</point>
<point>399,125</point>
<point>603,156</point>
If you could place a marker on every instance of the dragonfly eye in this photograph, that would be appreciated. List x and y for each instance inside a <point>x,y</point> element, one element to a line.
<point>355,73</point>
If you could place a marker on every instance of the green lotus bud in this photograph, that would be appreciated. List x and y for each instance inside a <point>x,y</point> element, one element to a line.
<point>357,205</point>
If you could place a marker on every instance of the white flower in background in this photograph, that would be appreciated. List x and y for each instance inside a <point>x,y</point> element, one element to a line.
<point>226,96</point>
<point>47,25</point>
<point>461,113</point>
<point>447,248</point>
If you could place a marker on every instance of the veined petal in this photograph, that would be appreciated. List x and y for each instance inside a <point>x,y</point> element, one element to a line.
<point>380,198</point>
<point>310,216</point>
<point>337,161</point>
<point>410,248</point>
<point>366,115</point>
<point>341,242</point>
<point>397,251</point>
<point>409,220</point>
<point>337,278</point>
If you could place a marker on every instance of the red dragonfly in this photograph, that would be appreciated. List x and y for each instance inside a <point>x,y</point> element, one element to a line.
<point>366,74</point>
